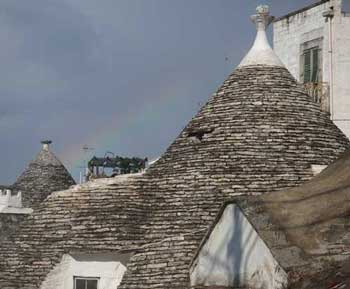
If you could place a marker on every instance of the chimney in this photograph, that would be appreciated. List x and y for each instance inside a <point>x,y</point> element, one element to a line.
<point>46,144</point>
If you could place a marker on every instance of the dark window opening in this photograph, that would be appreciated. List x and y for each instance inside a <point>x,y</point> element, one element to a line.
<point>311,68</point>
<point>85,283</point>
<point>199,134</point>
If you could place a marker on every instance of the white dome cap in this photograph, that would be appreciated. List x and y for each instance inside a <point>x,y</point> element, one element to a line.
<point>261,53</point>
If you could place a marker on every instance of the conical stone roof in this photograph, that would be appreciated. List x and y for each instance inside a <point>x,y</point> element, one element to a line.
<point>260,132</point>
<point>44,175</point>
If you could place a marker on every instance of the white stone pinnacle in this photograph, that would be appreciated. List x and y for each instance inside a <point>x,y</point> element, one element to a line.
<point>261,53</point>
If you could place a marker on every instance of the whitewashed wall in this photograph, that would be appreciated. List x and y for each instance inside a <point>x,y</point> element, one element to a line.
<point>342,73</point>
<point>61,277</point>
<point>291,32</point>
<point>234,255</point>
<point>9,200</point>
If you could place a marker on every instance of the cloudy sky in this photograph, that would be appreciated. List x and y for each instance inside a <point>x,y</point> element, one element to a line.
<point>117,75</point>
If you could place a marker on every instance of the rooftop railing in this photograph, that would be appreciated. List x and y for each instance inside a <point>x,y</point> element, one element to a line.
<point>319,92</point>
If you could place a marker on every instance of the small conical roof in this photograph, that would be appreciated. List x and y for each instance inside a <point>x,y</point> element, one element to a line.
<point>44,175</point>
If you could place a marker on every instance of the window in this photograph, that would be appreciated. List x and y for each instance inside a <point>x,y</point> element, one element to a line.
<point>311,65</point>
<point>85,283</point>
<point>311,68</point>
<point>311,60</point>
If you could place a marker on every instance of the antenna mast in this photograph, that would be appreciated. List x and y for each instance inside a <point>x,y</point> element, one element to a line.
<point>86,149</point>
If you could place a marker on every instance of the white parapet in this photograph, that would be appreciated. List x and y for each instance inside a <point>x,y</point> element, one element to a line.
<point>7,200</point>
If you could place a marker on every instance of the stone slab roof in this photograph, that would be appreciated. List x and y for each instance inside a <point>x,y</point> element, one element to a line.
<point>9,224</point>
<point>259,133</point>
<point>44,175</point>
<point>307,228</point>
<point>109,213</point>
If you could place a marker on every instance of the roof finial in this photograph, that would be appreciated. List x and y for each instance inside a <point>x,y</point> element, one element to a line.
<point>262,18</point>
<point>46,144</point>
<point>261,53</point>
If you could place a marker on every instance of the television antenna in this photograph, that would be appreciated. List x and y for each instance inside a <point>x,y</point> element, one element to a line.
<point>84,176</point>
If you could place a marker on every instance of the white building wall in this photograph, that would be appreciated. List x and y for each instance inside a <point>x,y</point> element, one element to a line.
<point>341,56</point>
<point>291,32</point>
<point>235,256</point>
<point>7,200</point>
<point>62,276</point>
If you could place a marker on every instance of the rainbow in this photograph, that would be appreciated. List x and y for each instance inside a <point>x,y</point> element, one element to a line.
<point>112,134</point>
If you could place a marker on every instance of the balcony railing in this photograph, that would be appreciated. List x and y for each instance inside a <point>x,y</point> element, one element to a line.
<point>319,92</point>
